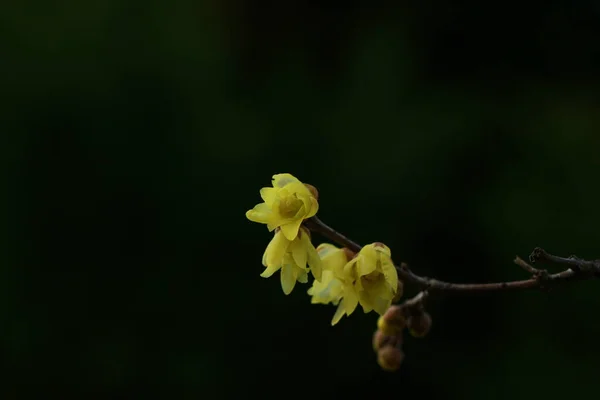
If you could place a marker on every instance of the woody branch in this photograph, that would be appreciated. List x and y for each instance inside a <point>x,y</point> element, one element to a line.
<point>576,268</point>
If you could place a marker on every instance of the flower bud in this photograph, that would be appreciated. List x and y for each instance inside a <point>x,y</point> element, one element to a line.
<point>420,324</point>
<point>389,358</point>
<point>396,315</point>
<point>380,340</point>
<point>393,321</point>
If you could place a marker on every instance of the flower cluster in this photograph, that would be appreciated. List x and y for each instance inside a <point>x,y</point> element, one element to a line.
<point>388,338</point>
<point>342,277</point>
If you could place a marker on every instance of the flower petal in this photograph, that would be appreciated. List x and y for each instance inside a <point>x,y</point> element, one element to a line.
<point>280,180</point>
<point>365,266</point>
<point>300,191</point>
<point>290,230</point>
<point>325,249</point>
<point>314,207</point>
<point>267,273</point>
<point>314,261</point>
<point>366,300</point>
<point>261,213</point>
<point>381,305</point>
<point>268,195</point>
<point>339,313</point>
<point>349,270</point>
<point>298,250</point>
<point>350,300</point>
<point>288,281</point>
<point>276,250</point>
<point>390,273</point>
<point>302,276</point>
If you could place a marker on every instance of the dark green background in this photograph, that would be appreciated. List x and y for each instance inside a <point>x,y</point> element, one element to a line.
<point>135,135</point>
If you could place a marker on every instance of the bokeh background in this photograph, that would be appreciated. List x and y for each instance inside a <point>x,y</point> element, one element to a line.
<point>135,135</point>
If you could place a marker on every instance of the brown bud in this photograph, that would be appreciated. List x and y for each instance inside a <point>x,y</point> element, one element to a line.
<point>313,190</point>
<point>380,340</point>
<point>393,321</point>
<point>389,358</point>
<point>419,324</point>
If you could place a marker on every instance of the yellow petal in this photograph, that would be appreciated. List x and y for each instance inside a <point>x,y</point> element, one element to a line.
<point>365,266</point>
<point>350,300</point>
<point>381,305</point>
<point>298,250</point>
<point>302,276</point>
<point>268,195</point>
<point>261,213</point>
<point>270,271</point>
<point>327,291</point>
<point>314,261</point>
<point>276,250</point>
<point>299,190</point>
<point>314,207</point>
<point>288,281</point>
<point>290,230</point>
<point>301,213</point>
<point>325,249</point>
<point>349,270</point>
<point>383,249</point>
<point>365,300</point>
<point>390,273</point>
<point>339,313</point>
<point>280,180</point>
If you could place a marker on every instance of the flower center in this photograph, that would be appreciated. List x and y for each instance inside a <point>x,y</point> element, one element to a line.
<point>289,206</point>
<point>372,277</point>
<point>372,280</point>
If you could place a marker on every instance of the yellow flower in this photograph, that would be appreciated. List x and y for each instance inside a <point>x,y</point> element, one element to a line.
<point>330,289</point>
<point>286,205</point>
<point>369,279</point>
<point>291,256</point>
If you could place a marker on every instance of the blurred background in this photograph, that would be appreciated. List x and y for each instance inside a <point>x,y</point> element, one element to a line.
<point>135,135</point>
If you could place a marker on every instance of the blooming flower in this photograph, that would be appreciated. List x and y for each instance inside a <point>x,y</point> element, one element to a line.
<point>286,205</point>
<point>330,289</point>
<point>291,256</point>
<point>370,279</point>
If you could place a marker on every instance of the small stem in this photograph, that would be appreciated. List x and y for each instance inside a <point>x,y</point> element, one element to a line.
<point>316,225</point>
<point>575,263</point>
<point>528,268</point>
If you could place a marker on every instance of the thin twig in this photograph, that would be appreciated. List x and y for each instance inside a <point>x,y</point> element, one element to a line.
<point>523,264</point>
<point>575,263</point>
<point>578,269</point>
